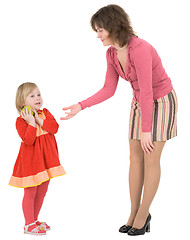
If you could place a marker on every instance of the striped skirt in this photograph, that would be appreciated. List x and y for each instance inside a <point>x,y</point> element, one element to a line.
<point>164,118</point>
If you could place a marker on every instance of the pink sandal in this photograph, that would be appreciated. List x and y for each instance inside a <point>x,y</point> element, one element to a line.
<point>36,231</point>
<point>43,225</point>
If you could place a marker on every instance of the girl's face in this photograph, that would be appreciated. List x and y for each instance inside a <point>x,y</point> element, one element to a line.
<point>34,99</point>
<point>104,36</point>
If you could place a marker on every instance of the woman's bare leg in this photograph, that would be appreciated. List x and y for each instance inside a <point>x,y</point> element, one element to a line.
<point>136,177</point>
<point>151,181</point>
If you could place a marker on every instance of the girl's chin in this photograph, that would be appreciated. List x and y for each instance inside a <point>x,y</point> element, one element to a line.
<point>37,108</point>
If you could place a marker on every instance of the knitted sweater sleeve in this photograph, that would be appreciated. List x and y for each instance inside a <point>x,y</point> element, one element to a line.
<point>26,132</point>
<point>108,90</point>
<point>50,125</point>
<point>142,57</point>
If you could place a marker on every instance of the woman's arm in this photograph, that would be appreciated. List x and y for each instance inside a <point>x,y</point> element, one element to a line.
<point>143,65</point>
<point>106,92</point>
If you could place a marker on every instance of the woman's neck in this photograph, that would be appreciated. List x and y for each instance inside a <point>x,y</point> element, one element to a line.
<point>118,48</point>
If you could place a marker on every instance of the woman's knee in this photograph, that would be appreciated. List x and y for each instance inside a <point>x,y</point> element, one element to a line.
<point>136,152</point>
<point>136,159</point>
<point>154,157</point>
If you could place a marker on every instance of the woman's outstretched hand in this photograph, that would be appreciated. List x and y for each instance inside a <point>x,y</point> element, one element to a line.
<point>74,109</point>
<point>146,142</point>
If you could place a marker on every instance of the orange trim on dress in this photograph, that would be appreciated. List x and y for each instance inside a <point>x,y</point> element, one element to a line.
<point>37,179</point>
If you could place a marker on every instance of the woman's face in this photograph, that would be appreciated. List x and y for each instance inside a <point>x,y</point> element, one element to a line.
<point>104,36</point>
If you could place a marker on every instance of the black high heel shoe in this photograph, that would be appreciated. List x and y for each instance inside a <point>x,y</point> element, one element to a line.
<point>141,231</point>
<point>125,228</point>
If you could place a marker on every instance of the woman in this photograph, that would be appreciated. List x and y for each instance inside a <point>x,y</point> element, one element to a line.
<point>153,109</point>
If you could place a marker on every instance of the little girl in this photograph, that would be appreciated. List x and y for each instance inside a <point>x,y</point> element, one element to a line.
<point>38,159</point>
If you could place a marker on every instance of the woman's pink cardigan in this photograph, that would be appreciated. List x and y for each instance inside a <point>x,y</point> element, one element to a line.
<point>145,73</point>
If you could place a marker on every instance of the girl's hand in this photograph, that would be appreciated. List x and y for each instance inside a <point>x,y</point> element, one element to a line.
<point>28,117</point>
<point>146,142</point>
<point>74,109</point>
<point>38,120</point>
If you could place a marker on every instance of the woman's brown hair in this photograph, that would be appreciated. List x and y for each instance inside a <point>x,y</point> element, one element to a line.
<point>114,20</point>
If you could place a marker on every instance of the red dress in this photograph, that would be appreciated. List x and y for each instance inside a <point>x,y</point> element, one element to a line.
<point>38,158</point>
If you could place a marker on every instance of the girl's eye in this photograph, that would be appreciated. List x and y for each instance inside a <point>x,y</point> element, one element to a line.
<point>39,95</point>
<point>32,96</point>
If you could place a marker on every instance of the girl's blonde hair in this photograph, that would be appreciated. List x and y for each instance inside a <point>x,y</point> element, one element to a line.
<point>22,92</point>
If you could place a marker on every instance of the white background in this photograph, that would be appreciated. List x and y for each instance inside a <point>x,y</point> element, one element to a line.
<point>52,44</point>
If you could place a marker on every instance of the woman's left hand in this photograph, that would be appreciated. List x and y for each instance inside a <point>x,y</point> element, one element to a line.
<point>146,142</point>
